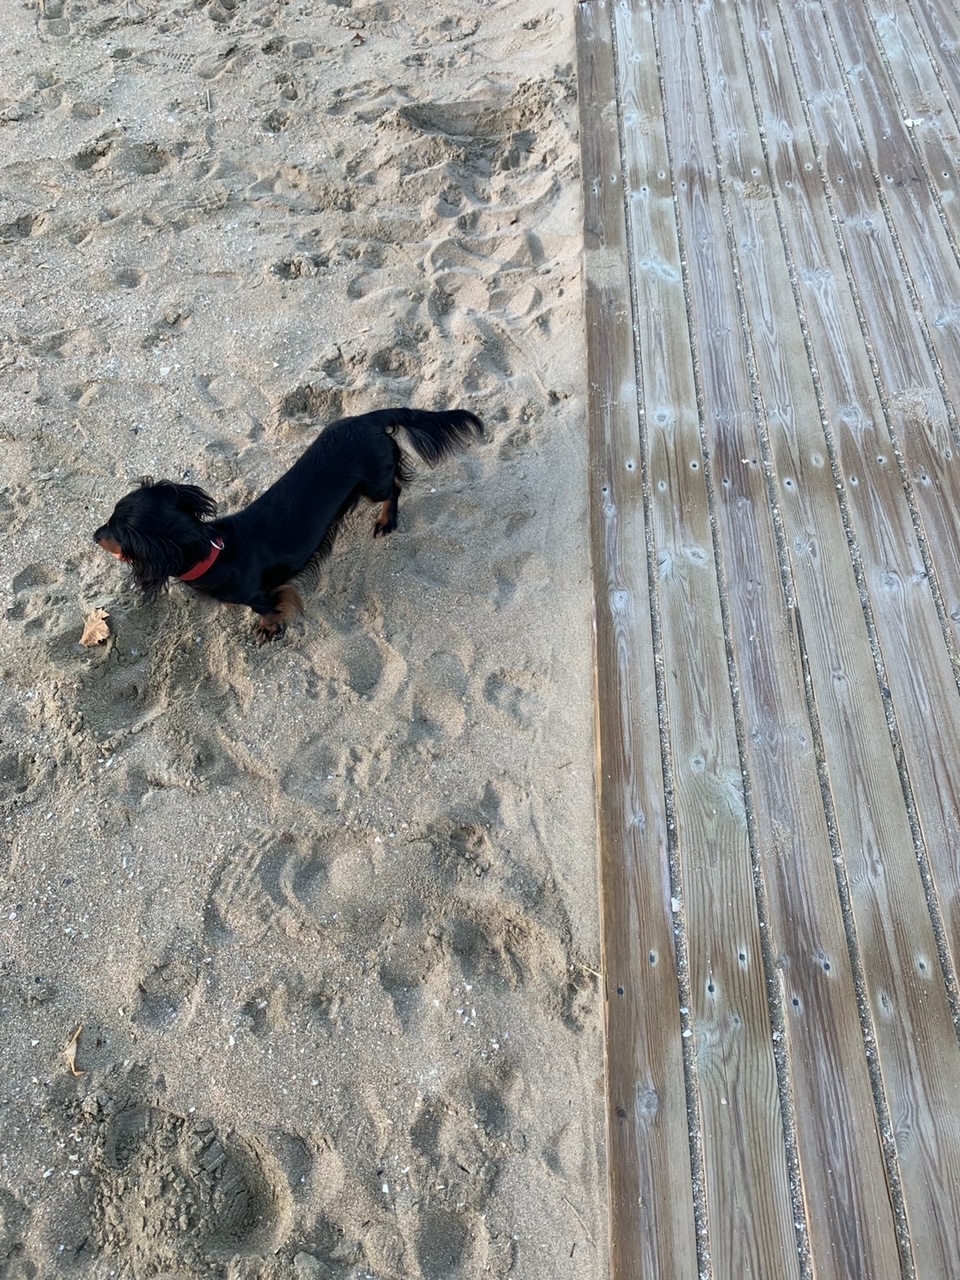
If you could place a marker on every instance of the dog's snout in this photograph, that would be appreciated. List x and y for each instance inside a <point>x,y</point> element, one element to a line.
<point>103,538</point>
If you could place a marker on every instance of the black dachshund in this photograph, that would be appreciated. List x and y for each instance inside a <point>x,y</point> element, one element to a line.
<point>167,530</point>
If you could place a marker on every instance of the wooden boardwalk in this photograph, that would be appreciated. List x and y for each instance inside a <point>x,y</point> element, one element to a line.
<point>772,239</point>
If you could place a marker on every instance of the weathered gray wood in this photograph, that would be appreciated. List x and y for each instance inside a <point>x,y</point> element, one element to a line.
<point>749,1209</point>
<point>916,1040</point>
<point>850,1230</point>
<point>793,210</point>
<point>650,1186</point>
<point>913,260</point>
<point>938,26</point>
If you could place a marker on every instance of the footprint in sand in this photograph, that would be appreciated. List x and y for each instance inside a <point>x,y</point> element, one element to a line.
<point>142,159</point>
<point>311,403</point>
<point>53,18</point>
<point>32,586</point>
<point>478,925</point>
<point>18,508</point>
<point>166,990</point>
<point>276,883</point>
<point>222,12</point>
<point>95,156</point>
<point>288,1003</point>
<point>276,121</point>
<point>18,773</point>
<point>45,606</point>
<point>27,226</point>
<point>456,1144</point>
<point>517,696</point>
<point>440,699</point>
<point>301,266</point>
<point>170,1192</point>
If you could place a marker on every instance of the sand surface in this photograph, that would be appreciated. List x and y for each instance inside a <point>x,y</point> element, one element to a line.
<point>324,912</point>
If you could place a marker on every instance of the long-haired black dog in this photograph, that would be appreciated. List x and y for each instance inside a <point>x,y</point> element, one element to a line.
<point>167,530</point>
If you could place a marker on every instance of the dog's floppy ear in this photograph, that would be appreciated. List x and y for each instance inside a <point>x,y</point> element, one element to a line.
<point>188,498</point>
<point>194,502</point>
<point>153,559</point>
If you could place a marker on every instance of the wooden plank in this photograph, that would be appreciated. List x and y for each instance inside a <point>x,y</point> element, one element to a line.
<point>881,362</point>
<point>916,1044</point>
<point>914,127</point>
<point>649,1175</point>
<point>914,263</point>
<point>922,426</point>
<point>749,1209</point>
<point>939,26</point>
<point>850,1227</point>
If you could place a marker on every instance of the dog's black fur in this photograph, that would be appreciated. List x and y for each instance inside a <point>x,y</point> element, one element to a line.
<point>166,530</point>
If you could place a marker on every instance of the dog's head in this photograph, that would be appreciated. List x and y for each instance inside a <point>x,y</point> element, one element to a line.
<point>156,528</point>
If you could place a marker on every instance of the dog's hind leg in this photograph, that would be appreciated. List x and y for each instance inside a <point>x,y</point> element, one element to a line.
<point>386,520</point>
<point>383,483</point>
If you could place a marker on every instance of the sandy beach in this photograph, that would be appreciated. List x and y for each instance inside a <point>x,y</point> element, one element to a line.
<point>299,945</point>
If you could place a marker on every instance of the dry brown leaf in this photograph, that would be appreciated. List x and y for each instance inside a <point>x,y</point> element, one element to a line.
<point>70,1052</point>
<point>96,629</point>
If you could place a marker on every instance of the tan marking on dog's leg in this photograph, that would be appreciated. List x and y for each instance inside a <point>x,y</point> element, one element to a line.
<point>386,521</point>
<point>287,605</point>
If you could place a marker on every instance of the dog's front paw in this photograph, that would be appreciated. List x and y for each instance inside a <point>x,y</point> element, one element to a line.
<point>267,630</point>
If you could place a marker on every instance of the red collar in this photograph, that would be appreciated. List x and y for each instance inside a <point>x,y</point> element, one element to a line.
<point>200,569</point>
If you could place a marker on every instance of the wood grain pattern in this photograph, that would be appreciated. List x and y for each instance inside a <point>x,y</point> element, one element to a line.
<point>788,812</point>
<point>914,352</point>
<point>650,1186</point>
<point>734,1069</point>
<point>886,887</point>
<point>773,280</point>
<point>912,1020</point>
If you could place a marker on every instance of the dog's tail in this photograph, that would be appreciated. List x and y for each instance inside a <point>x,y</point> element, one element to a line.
<point>434,435</point>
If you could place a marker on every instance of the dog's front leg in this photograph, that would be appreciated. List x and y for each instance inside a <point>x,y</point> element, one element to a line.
<point>274,612</point>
